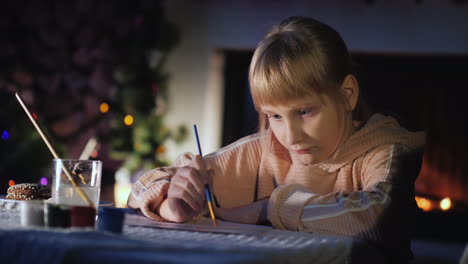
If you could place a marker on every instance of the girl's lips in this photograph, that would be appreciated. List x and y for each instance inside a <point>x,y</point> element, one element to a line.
<point>303,151</point>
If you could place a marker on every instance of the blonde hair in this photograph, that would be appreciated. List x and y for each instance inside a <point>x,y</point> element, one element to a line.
<point>299,57</point>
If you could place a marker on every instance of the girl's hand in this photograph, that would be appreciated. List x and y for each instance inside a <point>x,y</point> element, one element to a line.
<point>186,194</point>
<point>254,213</point>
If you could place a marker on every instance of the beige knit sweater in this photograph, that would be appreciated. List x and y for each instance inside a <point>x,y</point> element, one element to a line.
<point>346,195</point>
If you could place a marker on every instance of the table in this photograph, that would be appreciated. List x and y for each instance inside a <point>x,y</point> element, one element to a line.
<point>139,244</point>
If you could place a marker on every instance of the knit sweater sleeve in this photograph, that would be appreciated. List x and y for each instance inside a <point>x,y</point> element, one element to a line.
<point>347,213</point>
<point>234,167</point>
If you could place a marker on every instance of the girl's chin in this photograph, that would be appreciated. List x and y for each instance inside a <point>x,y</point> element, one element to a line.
<point>307,160</point>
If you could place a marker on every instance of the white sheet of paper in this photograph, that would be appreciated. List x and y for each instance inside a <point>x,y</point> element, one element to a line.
<point>202,225</point>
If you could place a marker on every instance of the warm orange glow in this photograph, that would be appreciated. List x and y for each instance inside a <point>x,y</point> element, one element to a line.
<point>104,108</point>
<point>424,204</point>
<point>445,204</point>
<point>94,154</point>
<point>161,149</point>
<point>128,120</point>
<point>11,182</point>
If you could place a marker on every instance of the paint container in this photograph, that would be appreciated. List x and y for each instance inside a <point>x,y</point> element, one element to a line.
<point>32,213</point>
<point>56,215</point>
<point>82,216</point>
<point>111,219</point>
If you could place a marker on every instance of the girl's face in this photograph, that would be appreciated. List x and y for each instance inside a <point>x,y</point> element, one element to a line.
<point>308,127</point>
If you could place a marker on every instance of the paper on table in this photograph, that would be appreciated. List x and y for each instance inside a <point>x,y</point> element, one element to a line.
<point>203,225</point>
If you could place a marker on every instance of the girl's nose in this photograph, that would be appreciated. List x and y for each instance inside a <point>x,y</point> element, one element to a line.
<point>293,132</point>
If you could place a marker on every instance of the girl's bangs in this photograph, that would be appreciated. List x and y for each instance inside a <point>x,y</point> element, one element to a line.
<point>275,82</point>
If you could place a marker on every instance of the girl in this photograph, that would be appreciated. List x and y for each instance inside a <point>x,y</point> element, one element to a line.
<point>319,163</point>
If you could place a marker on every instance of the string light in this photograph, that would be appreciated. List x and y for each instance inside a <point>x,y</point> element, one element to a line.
<point>11,182</point>
<point>128,120</point>
<point>44,181</point>
<point>5,135</point>
<point>424,204</point>
<point>445,204</point>
<point>161,149</point>
<point>427,204</point>
<point>104,108</point>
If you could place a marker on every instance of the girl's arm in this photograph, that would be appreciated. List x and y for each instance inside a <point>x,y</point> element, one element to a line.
<point>254,213</point>
<point>232,176</point>
<point>373,213</point>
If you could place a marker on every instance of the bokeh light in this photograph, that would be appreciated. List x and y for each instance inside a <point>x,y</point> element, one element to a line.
<point>121,192</point>
<point>11,182</point>
<point>161,149</point>
<point>424,203</point>
<point>104,107</point>
<point>5,135</point>
<point>128,120</point>
<point>44,181</point>
<point>445,204</point>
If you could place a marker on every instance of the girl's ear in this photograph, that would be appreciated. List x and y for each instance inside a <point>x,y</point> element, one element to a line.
<point>350,89</point>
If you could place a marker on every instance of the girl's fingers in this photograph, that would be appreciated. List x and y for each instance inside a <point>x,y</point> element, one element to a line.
<point>186,185</point>
<point>190,176</point>
<point>199,164</point>
<point>178,192</point>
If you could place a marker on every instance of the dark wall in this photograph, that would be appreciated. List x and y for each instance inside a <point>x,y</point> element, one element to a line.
<point>240,118</point>
<point>426,93</point>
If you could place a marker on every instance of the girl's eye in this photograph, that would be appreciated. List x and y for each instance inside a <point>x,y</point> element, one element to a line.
<point>305,112</point>
<point>309,112</point>
<point>275,117</point>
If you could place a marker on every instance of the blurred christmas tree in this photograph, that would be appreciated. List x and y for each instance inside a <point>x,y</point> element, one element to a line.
<point>138,131</point>
<point>87,69</point>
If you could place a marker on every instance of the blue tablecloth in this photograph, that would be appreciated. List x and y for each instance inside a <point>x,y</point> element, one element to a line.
<point>139,244</point>
<point>86,247</point>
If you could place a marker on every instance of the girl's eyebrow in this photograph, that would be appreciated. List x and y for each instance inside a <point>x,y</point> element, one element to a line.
<point>267,111</point>
<point>295,107</point>
<point>311,105</point>
<point>305,106</point>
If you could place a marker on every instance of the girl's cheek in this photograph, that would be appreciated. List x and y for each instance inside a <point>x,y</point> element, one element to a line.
<point>274,128</point>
